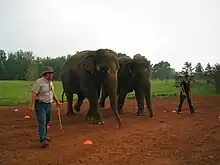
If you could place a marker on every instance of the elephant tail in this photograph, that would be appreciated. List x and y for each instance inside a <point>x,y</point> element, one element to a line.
<point>62,96</point>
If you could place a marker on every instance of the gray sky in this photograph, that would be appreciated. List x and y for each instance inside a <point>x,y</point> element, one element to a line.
<point>158,29</point>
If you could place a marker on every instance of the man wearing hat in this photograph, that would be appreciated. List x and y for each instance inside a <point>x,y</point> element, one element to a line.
<point>41,100</point>
<point>185,93</point>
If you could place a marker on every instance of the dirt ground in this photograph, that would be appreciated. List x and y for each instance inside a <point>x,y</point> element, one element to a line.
<point>166,139</point>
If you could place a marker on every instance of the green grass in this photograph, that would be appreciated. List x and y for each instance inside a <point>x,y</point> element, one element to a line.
<point>18,92</point>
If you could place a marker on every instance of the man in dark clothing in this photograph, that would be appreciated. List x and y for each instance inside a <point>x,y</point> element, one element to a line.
<point>185,93</point>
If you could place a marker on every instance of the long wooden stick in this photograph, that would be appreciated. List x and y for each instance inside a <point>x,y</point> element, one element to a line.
<point>60,120</point>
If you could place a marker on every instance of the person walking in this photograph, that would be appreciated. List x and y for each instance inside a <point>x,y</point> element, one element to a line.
<point>42,96</point>
<point>185,93</point>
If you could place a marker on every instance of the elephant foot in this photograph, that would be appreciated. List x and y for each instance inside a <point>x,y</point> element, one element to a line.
<point>70,113</point>
<point>94,121</point>
<point>120,112</point>
<point>151,115</point>
<point>89,118</point>
<point>98,122</point>
<point>141,114</point>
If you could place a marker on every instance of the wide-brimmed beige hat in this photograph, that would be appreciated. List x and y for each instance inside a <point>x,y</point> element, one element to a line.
<point>47,69</point>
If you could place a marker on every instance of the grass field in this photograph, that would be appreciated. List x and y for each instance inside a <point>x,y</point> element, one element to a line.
<point>18,92</point>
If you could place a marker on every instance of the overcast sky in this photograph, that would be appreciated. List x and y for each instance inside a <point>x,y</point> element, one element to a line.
<point>172,30</point>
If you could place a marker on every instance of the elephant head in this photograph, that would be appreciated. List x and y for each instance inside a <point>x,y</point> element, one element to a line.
<point>102,66</point>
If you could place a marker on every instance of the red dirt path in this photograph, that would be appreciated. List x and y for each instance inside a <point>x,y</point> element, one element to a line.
<point>166,139</point>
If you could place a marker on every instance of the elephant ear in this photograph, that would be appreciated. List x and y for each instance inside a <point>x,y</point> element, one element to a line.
<point>130,67</point>
<point>88,64</point>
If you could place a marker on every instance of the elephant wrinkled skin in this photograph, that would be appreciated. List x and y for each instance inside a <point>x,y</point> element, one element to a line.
<point>132,75</point>
<point>84,73</point>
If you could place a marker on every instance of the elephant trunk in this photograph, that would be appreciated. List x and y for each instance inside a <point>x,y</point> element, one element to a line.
<point>147,93</point>
<point>112,90</point>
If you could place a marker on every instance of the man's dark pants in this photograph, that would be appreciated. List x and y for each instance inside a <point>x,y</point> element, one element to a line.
<point>43,113</point>
<point>182,99</point>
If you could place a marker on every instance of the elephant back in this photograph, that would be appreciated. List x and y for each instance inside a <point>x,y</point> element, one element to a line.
<point>123,61</point>
<point>75,60</point>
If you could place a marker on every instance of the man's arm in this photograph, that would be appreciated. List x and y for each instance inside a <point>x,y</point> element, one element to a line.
<point>33,98</point>
<point>54,95</point>
<point>182,88</point>
<point>34,91</point>
<point>190,91</point>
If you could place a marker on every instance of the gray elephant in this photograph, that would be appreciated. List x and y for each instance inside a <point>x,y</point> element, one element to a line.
<point>133,75</point>
<point>84,73</point>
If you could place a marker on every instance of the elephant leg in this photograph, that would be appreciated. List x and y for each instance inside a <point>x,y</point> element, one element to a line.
<point>89,115</point>
<point>147,92</point>
<point>94,113</point>
<point>79,102</point>
<point>121,101</point>
<point>139,93</point>
<point>103,98</point>
<point>70,111</point>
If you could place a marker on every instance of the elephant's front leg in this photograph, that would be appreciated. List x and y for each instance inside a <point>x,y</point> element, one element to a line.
<point>94,112</point>
<point>121,101</point>
<point>139,93</point>
<point>79,102</point>
<point>70,111</point>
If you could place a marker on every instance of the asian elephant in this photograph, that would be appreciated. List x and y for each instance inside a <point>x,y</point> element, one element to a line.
<point>84,73</point>
<point>133,75</point>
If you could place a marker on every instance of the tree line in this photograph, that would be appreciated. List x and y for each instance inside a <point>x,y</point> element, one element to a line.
<point>24,65</point>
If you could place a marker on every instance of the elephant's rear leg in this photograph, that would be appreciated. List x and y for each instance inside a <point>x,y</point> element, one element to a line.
<point>79,102</point>
<point>70,111</point>
<point>121,101</point>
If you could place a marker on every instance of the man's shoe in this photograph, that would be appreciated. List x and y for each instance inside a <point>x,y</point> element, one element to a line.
<point>43,144</point>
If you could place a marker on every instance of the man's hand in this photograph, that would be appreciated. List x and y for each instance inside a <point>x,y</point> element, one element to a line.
<point>58,104</point>
<point>56,100</point>
<point>32,99</point>
<point>31,108</point>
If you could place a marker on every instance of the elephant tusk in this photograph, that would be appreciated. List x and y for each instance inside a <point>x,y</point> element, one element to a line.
<point>98,68</point>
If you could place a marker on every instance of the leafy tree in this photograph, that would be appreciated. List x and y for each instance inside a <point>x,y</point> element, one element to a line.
<point>198,77</point>
<point>208,74</point>
<point>208,70</point>
<point>199,69</point>
<point>32,72</point>
<point>187,68</point>
<point>162,70</point>
<point>3,59</point>
<point>216,77</point>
